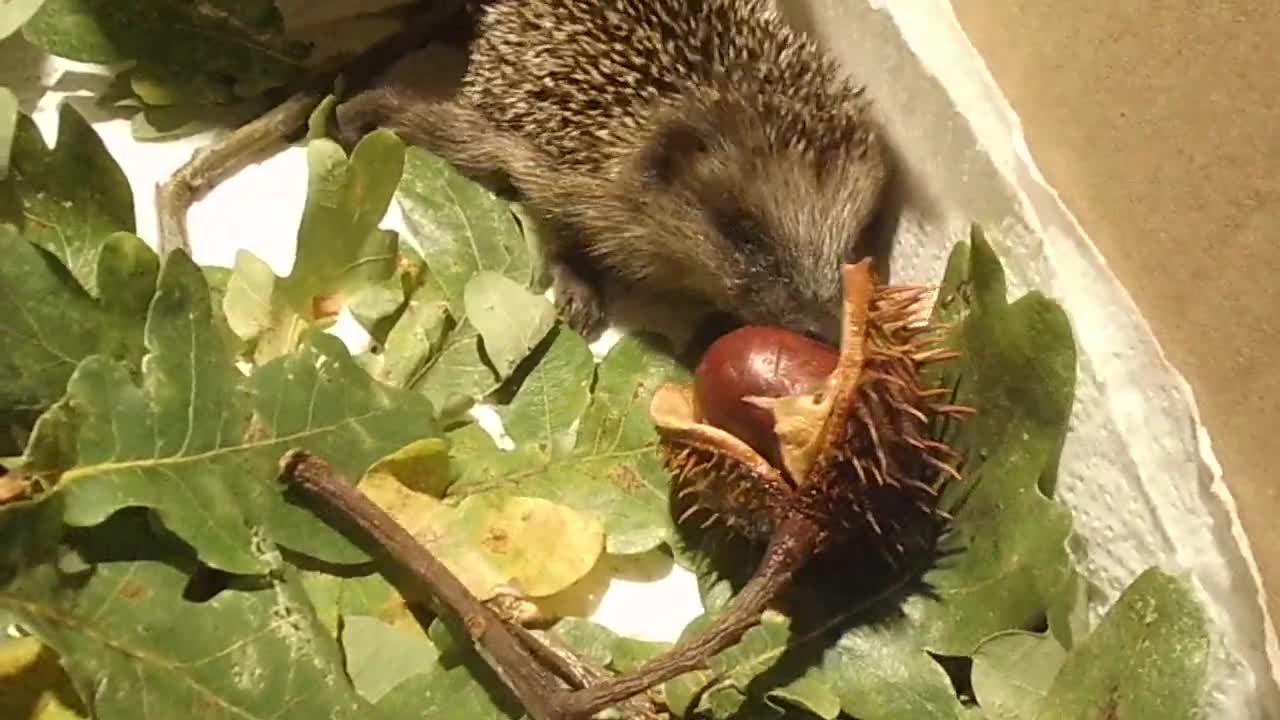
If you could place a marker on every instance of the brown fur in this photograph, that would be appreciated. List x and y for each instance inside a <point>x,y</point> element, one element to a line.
<point>695,148</point>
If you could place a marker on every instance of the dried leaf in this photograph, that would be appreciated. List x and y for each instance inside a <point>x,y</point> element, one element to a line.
<point>33,684</point>
<point>494,544</point>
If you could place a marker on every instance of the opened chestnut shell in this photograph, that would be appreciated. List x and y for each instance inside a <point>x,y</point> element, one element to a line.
<point>842,452</point>
<point>776,426</point>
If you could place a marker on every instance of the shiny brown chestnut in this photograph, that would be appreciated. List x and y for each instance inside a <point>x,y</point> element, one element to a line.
<point>757,361</point>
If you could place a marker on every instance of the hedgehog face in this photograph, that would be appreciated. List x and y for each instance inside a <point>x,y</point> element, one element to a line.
<point>770,221</point>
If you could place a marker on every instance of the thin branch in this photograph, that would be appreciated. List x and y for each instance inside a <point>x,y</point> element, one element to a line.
<point>535,688</point>
<point>211,165</point>
<point>581,674</point>
<point>520,659</point>
<point>789,549</point>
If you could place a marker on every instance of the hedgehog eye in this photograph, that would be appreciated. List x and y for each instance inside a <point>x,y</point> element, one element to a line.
<point>735,224</point>
<point>674,147</point>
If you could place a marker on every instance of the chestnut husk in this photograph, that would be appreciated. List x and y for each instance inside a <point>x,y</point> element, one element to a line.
<point>854,462</point>
<point>856,459</point>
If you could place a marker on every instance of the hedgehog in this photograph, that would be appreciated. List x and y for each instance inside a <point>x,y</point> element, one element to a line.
<point>699,151</point>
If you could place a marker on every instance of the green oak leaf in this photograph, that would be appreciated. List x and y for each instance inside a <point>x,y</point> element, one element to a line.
<point>1009,565</point>
<point>413,340</point>
<point>318,120</point>
<point>181,51</point>
<point>360,592</point>
<point>219,278</point>
<point>378,307</point>
<point>340,248</point>
<point>200,443</point>
<point>1148,658</point>
<point>340,251</point>
<point>445,692</point>
<point>456,374</point>
<point>611,468</point>
<point>1012,672</point>
<point>603,647</point>
<point>52,323</point>
<point>170,122</point>
<point>511,319</point>
<point>460,685</point>
<point>467,235</point>
<point>1004,563</point>
<point>380,656</point>
<point>67,199</point>
<point>723,686</point>
<point>137,647</point>
<point>553,396</point>
<point>880,673</point>
<point>248,300</point>
<point>461,227</point>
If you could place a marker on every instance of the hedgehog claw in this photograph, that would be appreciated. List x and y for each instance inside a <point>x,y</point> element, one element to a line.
<point>577,301</point>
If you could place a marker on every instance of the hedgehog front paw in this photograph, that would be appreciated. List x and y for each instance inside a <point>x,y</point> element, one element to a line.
<point>358,116</point>
<point>578,302</point>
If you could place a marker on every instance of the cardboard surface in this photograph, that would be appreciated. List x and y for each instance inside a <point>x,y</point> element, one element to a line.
<point>1161,131</point>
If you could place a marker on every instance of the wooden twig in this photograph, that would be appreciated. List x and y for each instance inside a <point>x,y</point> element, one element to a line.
<point>215,163</point>
<point>537,690</point>
<point>581,674</point>
<point>792,544</point>
<point>530,668</point>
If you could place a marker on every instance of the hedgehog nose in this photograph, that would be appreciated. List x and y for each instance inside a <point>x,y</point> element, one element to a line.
<point>824,329</point>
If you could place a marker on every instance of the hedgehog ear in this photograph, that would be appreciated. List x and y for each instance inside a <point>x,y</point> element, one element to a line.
<point>673,148</point>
